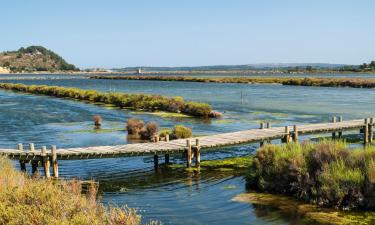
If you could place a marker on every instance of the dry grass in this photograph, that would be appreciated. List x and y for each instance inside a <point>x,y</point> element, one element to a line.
<point>35,201</point>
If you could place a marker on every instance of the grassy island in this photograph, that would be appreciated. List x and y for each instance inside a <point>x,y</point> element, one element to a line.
<point>297,81</point>
<point>123,100</point>
<point>326,173</point>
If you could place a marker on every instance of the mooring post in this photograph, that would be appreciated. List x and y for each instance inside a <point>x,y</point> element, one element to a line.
<point>45,161</point>
<point>22,162</point>
<point>334,133</point>
<point>370,130</point>
<point>340,132</point>
<point>295,133</point>
<point>366,132</point>
<point>197,152</point>
<point>188,153</point>
<point>167,137</point>
<point>286,138</point>
<point>156,161</point>
<point>261,127</point>
<point>166,158</point>
<point>55,164</point>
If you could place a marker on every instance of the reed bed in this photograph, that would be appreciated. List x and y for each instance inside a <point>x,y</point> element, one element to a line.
<point>327,173</point>
<point>134,101</point>
<point>296,81</point>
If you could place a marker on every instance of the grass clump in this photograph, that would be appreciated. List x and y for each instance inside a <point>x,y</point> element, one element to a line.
<point>326,173</point>
<point>32,201</point>
<point>180,131</point>
<point>123,100</point>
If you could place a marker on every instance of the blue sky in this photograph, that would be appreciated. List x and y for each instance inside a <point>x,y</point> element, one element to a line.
<point>93,33</point>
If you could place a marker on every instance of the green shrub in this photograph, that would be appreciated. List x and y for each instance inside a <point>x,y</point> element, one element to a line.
<point>180,131</point>
<point>164,132</point>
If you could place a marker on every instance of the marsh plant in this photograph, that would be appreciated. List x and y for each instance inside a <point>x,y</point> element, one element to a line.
<point>134,126</point>
<point>38,201</point>
<point>180,131</point>
<point>149,131</point>
<point>97,121</point>
<point>327,173</point>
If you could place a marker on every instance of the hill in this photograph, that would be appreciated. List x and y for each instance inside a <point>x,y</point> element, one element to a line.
<point>34,58</point>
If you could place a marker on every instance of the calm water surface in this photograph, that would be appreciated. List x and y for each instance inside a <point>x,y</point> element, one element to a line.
<point>179,198</point>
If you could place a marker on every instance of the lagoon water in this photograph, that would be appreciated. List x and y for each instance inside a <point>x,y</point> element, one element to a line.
<point>169,197</point>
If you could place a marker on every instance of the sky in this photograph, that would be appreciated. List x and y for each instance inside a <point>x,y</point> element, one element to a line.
<point>110,33</point>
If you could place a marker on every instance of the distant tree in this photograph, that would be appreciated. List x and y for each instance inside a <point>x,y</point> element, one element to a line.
<point>309,68</point>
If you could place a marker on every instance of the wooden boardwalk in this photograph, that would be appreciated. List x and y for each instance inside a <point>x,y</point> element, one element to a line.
<point>191,146</point>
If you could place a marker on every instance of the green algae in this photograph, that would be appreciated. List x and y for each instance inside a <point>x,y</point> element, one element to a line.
<point>229,187</point>
<point>290,206</point>
<point>163,114</point>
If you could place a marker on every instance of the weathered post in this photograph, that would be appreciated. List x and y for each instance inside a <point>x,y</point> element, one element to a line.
<point>34,163</point>
<point>197,152</point>
<point>167,137</point>
<point>55,164</point>
<point>340,132</point>
<point>286,138</point>
<point>166,159</point>
<point>22,162</point>
<point>268,125</point>
<point>295,133</point>
<point>334,133</point>
<point>156,161</point>
<point>188,153</point>
<point>365,132</point>
<point>370,130</point>
<point>46,162</point>
<point>261,127</point>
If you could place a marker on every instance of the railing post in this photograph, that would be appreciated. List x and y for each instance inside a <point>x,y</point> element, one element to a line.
<point>295,133</point>
<point>22,162</point>
<point>370,130</point>
<point>261,127</point>
<point>365,132</point>
<point>197,152</point>
<point>167,137</point>
<point>334,133</point>
<point>45,161</point>
<point>286,138</point>
<point>188,153</point>
<point>340,132</point>
<point>55,164</point>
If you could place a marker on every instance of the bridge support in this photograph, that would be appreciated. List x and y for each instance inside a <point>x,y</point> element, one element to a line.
<point>54,162</point>
<point>156,161</point>
<point>45,162</point>
<point>366,132</point>
<point>188,154</point>
<point>286,138</point>
<point>197,152</point>
<point>334,133</point>
<point>295,133</point>
<point>261,127</point>
<point>166,159</point>
<point>370,130</point>
<point>22,162</point>
<point>340,132</point>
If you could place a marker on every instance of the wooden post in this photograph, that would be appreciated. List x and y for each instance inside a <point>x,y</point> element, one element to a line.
<point>167,137</point>
<point>370,130</point>
<point>32,148</point>
<point>55,164</point>
<point>295,133</point>
<point>188,153</point>
<point>197,152</point>
<point>340,132</point>
<point>46,163</point>
<point>156,161</point>
<point>334,133</point>
<point>268,125</point>
<point>166,159</point>
<point>261,127</point>
<point>365,132</point>
<point>22,162</point>
<point>156,138</point>
<point>34,167</point>
<point>286,138</point>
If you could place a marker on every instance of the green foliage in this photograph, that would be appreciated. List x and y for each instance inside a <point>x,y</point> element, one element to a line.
<point>180,131</point>
<point>326,173</point>
<point>123,100</point>
<point>35,201</point>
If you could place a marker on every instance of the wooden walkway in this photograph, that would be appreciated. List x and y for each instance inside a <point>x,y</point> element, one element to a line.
<point>190,146</point>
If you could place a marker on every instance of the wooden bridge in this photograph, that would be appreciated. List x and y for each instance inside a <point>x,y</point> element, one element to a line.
<point>190,147</point>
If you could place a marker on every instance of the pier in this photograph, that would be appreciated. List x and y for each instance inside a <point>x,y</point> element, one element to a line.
<point>191,148</point>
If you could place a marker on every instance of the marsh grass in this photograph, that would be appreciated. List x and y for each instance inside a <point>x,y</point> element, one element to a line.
<point>37,201</point>
<point>327,173</point>
<point>133,101</point>
<point>298,81</point>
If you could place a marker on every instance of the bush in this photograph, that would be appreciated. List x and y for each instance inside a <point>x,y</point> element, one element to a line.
<point>150,130</point>
<point>32,201</point>
<point>164,132</point>
<point>181,131</point>
<point>97,120</point>
<point>326,173</point>
<point>134,126</point>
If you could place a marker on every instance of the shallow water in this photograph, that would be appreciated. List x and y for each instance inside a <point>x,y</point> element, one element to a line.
<point>172,198</point>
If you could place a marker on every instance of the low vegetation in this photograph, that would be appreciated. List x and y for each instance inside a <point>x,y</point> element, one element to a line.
<point>180,131</point>
<point>123,100</point>
<point>35,201</point>
<point>326,173</point>
<point>34,58</point>
<point>297,81</point>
